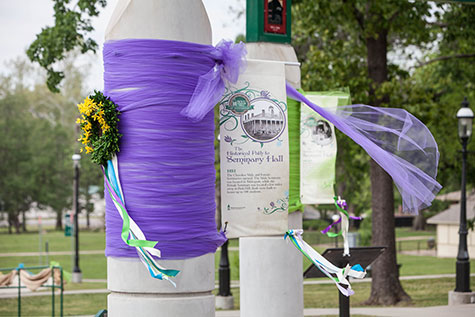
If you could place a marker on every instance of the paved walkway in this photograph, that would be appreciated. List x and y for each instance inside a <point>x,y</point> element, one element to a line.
<point>436,311</point>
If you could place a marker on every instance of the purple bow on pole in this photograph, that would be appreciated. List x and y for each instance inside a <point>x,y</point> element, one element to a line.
<point>230,62</point>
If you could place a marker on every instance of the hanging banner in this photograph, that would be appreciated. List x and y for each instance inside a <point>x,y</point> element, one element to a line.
<point>318,149</point>
<point>254,152</point>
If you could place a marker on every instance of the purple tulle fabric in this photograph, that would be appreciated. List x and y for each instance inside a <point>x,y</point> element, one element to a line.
<point>400,143</point>
<point>166,160</point>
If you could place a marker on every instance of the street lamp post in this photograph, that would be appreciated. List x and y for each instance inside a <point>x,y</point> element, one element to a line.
<point>462,284</point>
<point>77,275</point>
<point>224,272</point>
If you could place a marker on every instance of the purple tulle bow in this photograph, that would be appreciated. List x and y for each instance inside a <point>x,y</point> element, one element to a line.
<point>401,144</point>
<point>230,62</point>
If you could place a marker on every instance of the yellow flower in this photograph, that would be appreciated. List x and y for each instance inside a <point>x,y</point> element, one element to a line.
<point>78,121</point>
<point>80,151</point>
<point>89,149</point>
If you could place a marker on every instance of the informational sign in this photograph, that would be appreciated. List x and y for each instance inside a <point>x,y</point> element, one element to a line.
<point>276,16</point>
<point>254,152</point>
<point>318,149</point>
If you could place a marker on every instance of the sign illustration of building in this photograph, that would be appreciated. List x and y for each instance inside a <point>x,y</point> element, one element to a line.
<point>263,124</point>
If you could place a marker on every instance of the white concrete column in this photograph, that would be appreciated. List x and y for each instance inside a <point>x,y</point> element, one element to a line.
<point>133,291</point>
<point>270,269</point>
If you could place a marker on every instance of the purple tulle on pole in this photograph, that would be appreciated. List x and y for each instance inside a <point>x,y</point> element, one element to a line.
<point>401,144</point>
<point>166,160</point>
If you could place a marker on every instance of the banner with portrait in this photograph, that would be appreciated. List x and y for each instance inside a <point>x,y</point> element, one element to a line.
<point>318,149</point>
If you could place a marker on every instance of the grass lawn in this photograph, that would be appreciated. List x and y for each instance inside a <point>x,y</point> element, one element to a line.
<point>73,305</point>
<point>92,265</point>
<point>426,265</point>
<point>430,292</point>
<point>408,232</point>
<point>29,242</point>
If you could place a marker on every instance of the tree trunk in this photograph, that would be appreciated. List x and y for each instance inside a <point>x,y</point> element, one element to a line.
<point>10,223</point>
<point>419,222</point>
<point>23,224</point>
<point>385,287</point>
<point>15,222</point>
<point>59,220</point>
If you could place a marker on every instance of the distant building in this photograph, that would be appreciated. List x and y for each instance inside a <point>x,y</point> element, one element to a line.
<point>264,125</point>
<point>447,223</point>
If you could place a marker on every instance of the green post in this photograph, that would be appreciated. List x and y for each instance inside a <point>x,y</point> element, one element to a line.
<point>52,290</point>
<point>61,296</point>
<point>19,292</point>
<point>268,21</point>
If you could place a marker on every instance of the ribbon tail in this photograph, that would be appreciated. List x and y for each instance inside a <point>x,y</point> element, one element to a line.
<point>337,275</point>
<point>145,248</point>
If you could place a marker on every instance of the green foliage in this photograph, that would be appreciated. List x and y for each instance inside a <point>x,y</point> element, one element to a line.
<point>71,26</point>
<point>365,230</point>
<point>314,224</point>
<point>38,138</point>
<point>331,37</point>
<point>100,133</point>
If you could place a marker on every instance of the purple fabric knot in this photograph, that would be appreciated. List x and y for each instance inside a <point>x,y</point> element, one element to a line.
<point>230,62</point>
<point>232,57</point>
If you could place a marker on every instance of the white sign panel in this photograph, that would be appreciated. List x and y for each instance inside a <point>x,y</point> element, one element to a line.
<point>254,152</point>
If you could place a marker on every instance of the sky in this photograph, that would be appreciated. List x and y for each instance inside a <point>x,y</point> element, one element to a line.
<point>21,20</point>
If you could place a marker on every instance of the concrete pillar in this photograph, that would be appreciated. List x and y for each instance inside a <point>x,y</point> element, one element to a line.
<point>133,291</point>
<point>271,273</point>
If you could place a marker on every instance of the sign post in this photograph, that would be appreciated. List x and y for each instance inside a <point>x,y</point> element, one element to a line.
<point>270,268</point>
<point>363,256</point>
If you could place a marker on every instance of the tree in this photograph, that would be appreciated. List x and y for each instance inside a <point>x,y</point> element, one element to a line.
<point>68,33</point>
<point>353,51</point>
<point>38,138</point>
<point>15,183</point>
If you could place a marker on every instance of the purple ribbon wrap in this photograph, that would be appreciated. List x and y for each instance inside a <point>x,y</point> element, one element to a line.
<point>165,91</point>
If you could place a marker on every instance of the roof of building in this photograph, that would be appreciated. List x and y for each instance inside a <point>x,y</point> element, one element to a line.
<point>452,214</point>
<point>452,196</point>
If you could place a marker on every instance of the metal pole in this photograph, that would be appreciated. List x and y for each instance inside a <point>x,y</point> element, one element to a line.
<point>76,222</point>
<point>19,292</point>
<point>40,241</point>
<point>344,302</point>
<point>224,272</point>
<point>62,288</point>
<point>52,291</point>
<point>462,279</point>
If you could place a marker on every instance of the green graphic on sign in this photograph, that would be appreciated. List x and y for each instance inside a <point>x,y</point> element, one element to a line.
<point>239,104</point>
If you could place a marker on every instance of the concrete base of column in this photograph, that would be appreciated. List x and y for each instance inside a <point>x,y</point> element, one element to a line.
<point>271,277</point>
<point>225,302</point>
<point>135,293</point>
<point>77,277</point>
<point>459,298</point>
